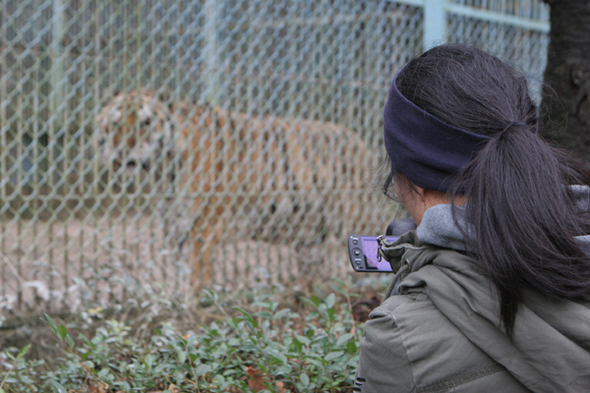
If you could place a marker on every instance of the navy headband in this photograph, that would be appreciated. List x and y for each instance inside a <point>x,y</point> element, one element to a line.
<point>423,148</point>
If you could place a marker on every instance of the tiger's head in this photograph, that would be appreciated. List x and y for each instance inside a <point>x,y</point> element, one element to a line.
<point>134,130</point>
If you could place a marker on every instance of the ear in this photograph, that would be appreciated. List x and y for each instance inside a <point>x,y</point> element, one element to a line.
<point>423,192</point>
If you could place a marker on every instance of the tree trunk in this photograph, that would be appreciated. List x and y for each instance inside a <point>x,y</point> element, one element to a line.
<point>566,117</point>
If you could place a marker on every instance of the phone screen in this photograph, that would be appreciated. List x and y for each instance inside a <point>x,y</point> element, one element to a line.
<point>363,252</point>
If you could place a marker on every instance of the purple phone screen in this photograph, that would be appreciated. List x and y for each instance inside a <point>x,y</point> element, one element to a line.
<point>370,248</point>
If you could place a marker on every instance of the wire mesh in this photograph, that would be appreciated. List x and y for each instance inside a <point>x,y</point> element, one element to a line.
<point>525,49</point>
<point>162,145</point>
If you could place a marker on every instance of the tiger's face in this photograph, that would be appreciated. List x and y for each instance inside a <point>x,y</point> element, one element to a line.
<point>134,130</point>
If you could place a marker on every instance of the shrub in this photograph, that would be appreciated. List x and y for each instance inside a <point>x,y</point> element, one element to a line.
<point>269,348</point>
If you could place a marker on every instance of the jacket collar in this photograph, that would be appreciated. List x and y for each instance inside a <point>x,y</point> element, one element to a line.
<point>444,225</point>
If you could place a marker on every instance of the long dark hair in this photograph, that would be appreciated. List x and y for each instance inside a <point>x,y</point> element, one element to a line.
<point>523,214</point>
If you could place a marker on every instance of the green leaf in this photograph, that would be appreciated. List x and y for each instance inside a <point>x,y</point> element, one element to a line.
<point>70,341</point>
<point>247,316</point>
<point>190,342</point>
<point>220,379</point>
<point>23,352</point>
<point>351,347</point>
<point>244,312</point>
<point>274,306</point>
<point>51,323</point>
<point>62,331</point>
<point>149,361</point>
<point>213,295</point>
<point>202,369</point>
<point>298,345</point>
<point>102,374</point>
<point>57,387</point>
<point>331,313</point>
<point>276,354</point>
<point>341,287</point>
<point>87,341</point>
<point>123,385</point>
<point>267,305</point>
<point>331,300</point>
<point>85,355</point>
<point>344,338</point>
<point>181,357</point>
<point>283,370</point>
<point>333,355</point>
<point>264,315</point>
<point>302,339</point>
<point>2,390</point>
<point>316,300</point>
<point>304,379</point>
<point>282,313</point>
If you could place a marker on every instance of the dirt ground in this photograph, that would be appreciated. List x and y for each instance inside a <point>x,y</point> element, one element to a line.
<point>104,259</point>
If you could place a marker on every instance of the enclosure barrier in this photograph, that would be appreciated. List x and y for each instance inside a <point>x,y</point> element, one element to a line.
<point>241,146</point>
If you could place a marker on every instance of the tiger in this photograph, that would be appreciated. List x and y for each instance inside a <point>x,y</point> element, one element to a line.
<point>278,175</point>
<point>134,129</point>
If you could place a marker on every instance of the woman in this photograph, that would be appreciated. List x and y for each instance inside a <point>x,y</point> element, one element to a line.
<point>494,284</point>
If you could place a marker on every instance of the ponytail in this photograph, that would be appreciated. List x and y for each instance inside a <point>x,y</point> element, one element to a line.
<point>525,219</point>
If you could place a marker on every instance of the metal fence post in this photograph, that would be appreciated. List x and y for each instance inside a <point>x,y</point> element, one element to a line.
<point>435,23</point>
<point>211,54</point>
<point>57,66</point>
<point>58,81</point>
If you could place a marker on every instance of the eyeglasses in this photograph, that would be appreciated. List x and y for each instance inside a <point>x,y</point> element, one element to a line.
<point>389,192</point>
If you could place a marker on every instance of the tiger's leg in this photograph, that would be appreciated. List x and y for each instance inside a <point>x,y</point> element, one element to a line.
<point>206,233</point>
<point>207,184</point>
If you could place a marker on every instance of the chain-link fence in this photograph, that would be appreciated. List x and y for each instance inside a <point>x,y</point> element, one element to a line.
<point>160,145</point>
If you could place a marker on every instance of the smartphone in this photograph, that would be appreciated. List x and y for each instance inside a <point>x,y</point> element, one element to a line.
<point>363,254</point>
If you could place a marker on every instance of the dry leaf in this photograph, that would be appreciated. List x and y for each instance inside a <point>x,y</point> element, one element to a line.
<point>173,388</point>
<point>280,386</point>
<point>257,380</point>
<point>98,387</point>
<point>187,336</point>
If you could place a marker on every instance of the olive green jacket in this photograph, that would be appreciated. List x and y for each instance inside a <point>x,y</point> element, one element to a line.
<point>443,333</point>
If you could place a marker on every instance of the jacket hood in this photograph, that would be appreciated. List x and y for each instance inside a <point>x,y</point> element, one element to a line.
<point>550,350</point>
<point>438,226</point>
